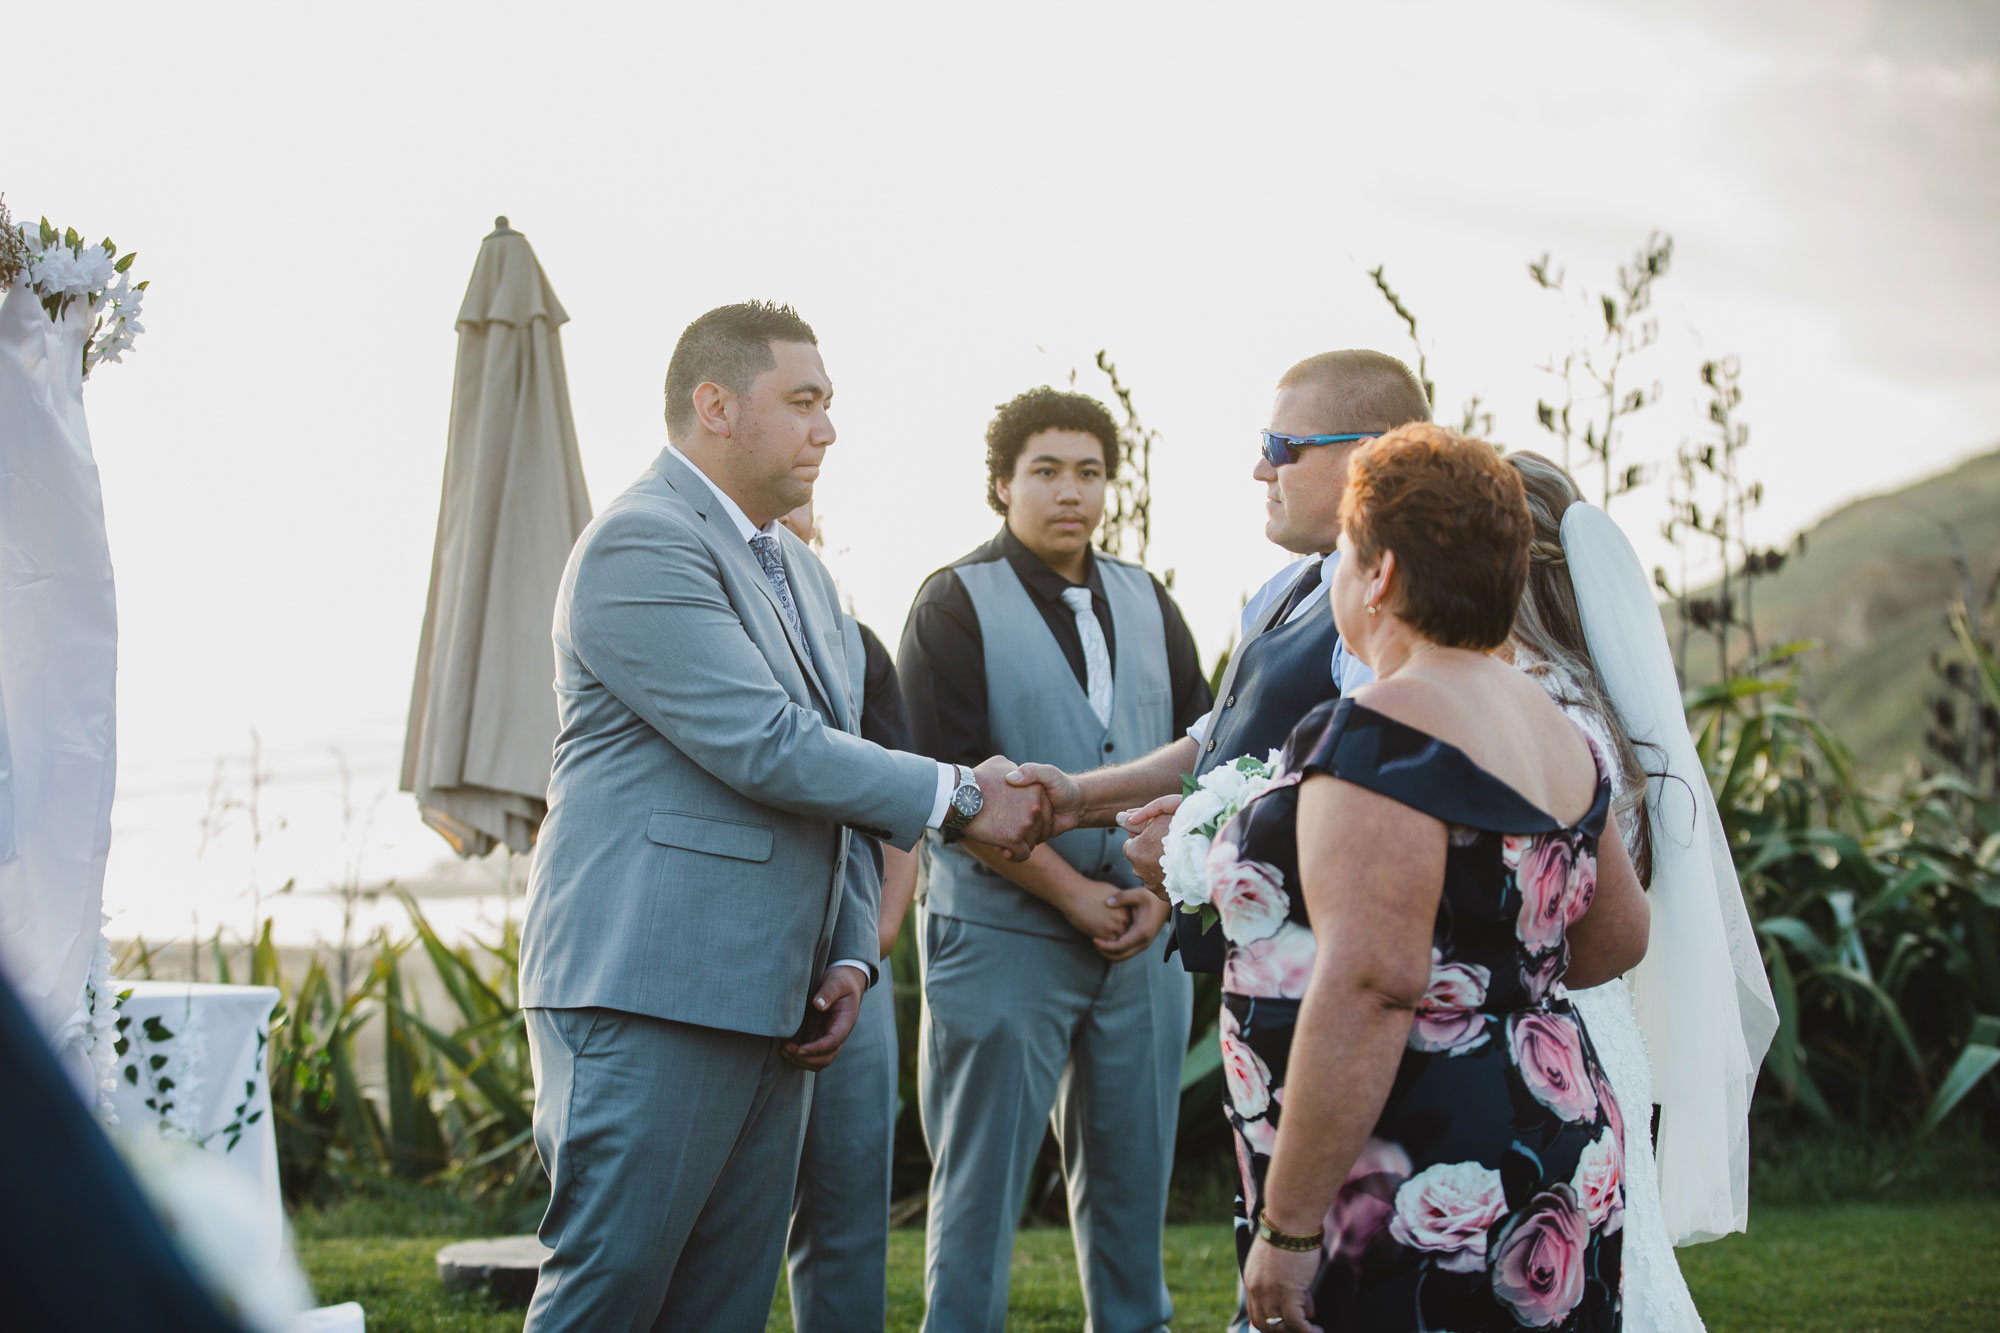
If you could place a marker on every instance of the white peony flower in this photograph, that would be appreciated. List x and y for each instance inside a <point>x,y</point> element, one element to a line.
<point>53,270</point>
<point>1184,859</point>
<point>1201,810</point>
<point>1226,782</point>
<point>94,271</point>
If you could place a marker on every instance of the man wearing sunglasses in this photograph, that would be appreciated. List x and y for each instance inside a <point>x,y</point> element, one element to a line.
<point>1289,658</point>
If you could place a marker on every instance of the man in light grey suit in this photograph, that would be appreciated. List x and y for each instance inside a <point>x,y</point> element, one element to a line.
<point>689,956</point>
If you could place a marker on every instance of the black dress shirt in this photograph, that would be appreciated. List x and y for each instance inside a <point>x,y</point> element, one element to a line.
<point>943,659</point>
<point>884,720</point>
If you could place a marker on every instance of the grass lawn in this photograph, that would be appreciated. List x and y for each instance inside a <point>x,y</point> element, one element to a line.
<point>1853,1267</point>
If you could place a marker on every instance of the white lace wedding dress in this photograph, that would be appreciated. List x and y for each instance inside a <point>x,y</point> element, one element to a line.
<point>1656,1295</point>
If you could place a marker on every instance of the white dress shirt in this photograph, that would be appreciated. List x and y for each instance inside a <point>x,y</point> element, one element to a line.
<point>947,773</point>
<point>1349,672</point>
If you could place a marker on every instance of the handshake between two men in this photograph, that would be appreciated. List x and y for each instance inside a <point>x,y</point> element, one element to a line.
<point>1021,807</point>
<point>1024,805</point>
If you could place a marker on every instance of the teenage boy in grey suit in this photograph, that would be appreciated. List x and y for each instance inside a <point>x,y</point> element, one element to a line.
<point>1040,991</point>
<point>689,956</point>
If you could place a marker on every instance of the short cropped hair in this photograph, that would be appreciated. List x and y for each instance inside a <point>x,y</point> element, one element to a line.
<point>1370,391</point>
<point>730,346</point>
<point>1030,414</point>
<point>1457,518</point>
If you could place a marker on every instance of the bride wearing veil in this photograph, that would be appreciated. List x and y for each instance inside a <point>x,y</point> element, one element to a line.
<point>1687,1028</point>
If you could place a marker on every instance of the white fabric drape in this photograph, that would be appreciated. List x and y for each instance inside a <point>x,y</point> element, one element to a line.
<point>58,664</point>
<point>482,710</point>
<point>1703,1000</point>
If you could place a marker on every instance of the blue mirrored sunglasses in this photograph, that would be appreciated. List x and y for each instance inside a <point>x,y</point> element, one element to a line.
<point>1284,449</point>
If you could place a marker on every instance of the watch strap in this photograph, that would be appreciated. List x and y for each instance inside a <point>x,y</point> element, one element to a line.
<point>954,818</point>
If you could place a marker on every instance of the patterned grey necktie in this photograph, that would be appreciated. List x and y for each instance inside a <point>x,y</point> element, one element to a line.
<point>766,546</point>
<point>1096,655</point>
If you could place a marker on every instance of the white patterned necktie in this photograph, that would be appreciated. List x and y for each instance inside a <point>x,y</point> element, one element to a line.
<point>766,547</point>
<point>1096,655</point>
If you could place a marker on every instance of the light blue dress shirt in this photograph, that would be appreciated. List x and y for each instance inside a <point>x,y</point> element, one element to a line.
<point>1349,672</point>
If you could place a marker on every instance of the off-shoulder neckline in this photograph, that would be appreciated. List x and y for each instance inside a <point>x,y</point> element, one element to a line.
<point>1600,800</point>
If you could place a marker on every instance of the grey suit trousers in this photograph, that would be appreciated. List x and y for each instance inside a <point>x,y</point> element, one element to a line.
<point>838,1253</point>
<point>1016,1025</point>
<point>671,1151</point>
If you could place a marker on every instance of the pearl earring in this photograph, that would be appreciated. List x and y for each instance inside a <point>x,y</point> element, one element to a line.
<point>1373,608</point>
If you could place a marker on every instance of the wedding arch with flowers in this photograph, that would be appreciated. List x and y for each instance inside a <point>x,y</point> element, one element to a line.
<point>69,306</point>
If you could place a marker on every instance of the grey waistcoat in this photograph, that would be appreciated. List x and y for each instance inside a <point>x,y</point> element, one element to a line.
<point>1038,713</point>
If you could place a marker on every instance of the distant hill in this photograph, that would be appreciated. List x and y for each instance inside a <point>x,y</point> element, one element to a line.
<point>1872,587</point>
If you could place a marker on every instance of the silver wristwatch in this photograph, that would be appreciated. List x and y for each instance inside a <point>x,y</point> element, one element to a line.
<point>965,801</point>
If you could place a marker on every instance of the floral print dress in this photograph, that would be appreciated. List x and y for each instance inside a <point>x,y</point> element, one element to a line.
<point>1490,1194</point>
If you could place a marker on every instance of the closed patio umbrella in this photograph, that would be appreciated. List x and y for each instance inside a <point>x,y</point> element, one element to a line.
<point>482,710</point>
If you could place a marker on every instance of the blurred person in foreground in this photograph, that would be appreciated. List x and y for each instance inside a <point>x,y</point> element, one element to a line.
<point>692,953</point>
<point>1426,1136</point>
<point>837,1252</point>
<point>1043,1004</point>
<point>1589,632</point>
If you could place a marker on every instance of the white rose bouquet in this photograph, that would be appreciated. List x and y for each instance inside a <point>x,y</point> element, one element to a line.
<point>1208,803</point>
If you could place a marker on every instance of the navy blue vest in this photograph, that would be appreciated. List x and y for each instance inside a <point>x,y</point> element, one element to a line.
<point>1275,678</point>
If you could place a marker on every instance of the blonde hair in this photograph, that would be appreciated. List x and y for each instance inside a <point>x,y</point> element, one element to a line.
<point>1373,390</point>
<point>1549,628</point>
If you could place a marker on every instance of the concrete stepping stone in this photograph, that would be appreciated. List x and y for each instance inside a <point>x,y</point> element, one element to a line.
<point>504,1266</point>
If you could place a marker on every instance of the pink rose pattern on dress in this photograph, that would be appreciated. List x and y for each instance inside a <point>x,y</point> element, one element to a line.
<point>1511,1096</point>
<point>1612,1111</point>
<point>1359,1216</point>
<point>1448,1017</point>
<point>1543,877</point>
<point>1261,1134</point>
<point>1542,977</point>
<point>1548,1054</point>
<point>1556,875</point>
<point>1582,886</point>
<point>1249,896</point>
<point>1538,1260</point>
<point>1445,1210</point>
<point>1277,968</point>
<point>1244,1072</point>
<point>1600,1182</point>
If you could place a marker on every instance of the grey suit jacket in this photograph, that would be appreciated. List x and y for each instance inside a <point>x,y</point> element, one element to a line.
<point>691,865</point>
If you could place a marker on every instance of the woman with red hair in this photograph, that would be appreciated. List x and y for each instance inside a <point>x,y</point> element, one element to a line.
<point>1426,1137</point>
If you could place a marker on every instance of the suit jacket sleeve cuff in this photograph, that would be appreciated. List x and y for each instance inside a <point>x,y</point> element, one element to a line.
<point>947,784</point>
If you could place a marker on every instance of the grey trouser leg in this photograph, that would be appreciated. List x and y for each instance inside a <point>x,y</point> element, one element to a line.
<point>839,1247</point>
<point>671,1151</point>
<point>1116,1113</point>
<point>1006,1014</point>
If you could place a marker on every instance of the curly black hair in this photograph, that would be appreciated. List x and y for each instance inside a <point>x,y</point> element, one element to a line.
<point>1030,414</point>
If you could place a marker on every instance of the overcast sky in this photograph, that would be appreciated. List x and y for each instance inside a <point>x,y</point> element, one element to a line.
<point>964,204</point>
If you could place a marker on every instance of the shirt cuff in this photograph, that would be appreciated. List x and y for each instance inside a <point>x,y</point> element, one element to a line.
<point>866,970</point>
<point>947,784</point>
<point>1199,731</point>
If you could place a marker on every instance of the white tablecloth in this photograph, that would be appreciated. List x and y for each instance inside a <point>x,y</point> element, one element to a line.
<point>193,1067</point>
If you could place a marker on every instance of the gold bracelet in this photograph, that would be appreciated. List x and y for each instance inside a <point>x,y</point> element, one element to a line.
<point>1286,1240</point>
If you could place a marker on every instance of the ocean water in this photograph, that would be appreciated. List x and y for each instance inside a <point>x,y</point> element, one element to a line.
<point>199,844</point>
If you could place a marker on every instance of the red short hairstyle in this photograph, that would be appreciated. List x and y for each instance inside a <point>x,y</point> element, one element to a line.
<point>1457,518</point>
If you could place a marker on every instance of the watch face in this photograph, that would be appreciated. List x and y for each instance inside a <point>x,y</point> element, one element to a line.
<point>967,800</point>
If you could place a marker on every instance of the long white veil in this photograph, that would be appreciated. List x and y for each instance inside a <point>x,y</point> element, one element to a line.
<point>1703,1001</point>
